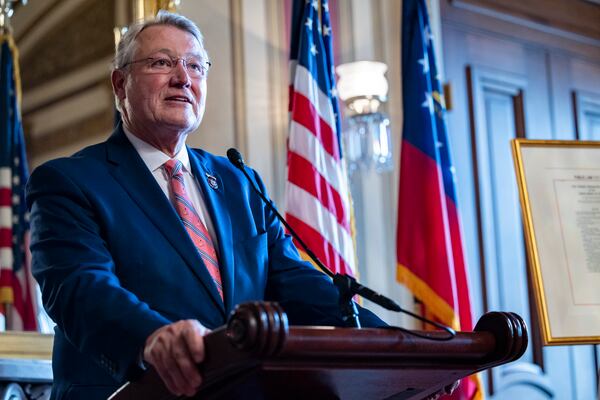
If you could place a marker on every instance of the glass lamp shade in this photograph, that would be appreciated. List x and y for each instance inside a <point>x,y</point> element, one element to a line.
<point>367,139</point>
<point>367,142</point>
<point>361,83</point>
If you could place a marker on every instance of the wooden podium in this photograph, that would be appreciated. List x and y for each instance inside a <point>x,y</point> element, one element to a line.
<point>258,356</point>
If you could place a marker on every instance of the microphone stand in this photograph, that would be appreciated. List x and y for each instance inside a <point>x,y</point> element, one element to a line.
<point>347,286</point>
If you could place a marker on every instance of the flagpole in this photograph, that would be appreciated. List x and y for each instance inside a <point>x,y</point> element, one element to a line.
<point>319,10</point>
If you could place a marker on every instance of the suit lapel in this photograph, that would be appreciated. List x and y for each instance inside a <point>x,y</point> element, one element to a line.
<point>214,190</point>
<point>129,170</point>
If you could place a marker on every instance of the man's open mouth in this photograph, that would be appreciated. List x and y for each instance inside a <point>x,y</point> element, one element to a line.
<point>181,99</point>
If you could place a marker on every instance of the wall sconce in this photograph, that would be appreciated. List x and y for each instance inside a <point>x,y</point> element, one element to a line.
<point>366,132</point>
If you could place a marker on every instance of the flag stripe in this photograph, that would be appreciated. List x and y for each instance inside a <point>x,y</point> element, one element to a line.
<point>460,269</point>
<point>422,237</point>
<point>5,174</point>
<point>310,210</point>
<point>6,277</point>
<point>5,196</point>
<point>6,238</point>
<point>305,84</point>
<point>320,246</point>
<point>304,143</point>
<point>6,258</point>
<point>315,184</point>
<point>6,218</point>
<point>306,115</point>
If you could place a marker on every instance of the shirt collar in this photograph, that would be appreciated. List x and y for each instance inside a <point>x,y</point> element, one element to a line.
<point>154,158</point>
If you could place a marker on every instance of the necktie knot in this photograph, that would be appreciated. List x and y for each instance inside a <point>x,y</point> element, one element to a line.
<point>174,168</point>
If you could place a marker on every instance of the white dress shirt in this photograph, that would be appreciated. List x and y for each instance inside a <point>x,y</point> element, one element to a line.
<point>154,160</point>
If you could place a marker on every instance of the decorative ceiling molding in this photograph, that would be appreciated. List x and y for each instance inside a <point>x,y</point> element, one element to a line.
<point>66,85</point>
<point>80,38</point>
<point>86,130</point>
<point>41,19</point>
<point>67,111</point>
<point>29,16</point>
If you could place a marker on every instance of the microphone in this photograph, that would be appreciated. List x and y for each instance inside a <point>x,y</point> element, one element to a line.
<point>347,285</point>
<point>235,157</point>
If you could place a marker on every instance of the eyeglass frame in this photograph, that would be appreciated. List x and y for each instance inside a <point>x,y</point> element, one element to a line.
<point>175,60</point>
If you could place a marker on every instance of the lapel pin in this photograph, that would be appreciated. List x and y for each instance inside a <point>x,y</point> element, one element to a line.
<point>212,181</point>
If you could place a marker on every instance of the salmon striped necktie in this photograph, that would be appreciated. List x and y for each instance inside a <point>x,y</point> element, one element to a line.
<point>192,222</point>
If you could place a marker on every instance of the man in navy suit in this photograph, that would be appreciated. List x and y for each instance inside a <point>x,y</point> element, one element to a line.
<point>122,272</point>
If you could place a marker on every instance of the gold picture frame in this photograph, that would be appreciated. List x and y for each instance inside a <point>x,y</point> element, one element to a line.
<point>559,189</point>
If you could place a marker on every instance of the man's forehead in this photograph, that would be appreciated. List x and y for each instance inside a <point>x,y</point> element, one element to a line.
<point>169,40</point>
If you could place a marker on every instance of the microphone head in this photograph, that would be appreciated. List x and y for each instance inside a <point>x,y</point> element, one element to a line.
<point>235,157</point>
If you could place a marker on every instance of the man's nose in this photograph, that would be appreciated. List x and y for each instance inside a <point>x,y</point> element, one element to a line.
<point>180,75</point>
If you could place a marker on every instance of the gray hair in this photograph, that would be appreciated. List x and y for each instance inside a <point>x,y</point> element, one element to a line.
<point>126,46</point>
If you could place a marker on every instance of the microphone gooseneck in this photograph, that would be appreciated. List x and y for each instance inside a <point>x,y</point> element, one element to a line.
<point>346,285</point>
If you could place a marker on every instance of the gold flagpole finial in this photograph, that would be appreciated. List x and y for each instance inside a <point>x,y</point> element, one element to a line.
<point>143,9</point>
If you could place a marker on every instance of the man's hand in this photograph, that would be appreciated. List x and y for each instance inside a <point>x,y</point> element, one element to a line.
<point>174,351</point>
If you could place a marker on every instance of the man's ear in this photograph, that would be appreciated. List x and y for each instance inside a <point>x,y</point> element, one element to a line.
<point>117,78</point>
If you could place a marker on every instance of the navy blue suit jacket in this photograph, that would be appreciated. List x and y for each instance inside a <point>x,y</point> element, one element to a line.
<point>115,263</point>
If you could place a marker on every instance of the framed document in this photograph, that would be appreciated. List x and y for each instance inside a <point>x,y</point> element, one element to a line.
<point>559,186</point>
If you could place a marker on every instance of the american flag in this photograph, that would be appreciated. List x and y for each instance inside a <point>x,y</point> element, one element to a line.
<point>430,253</point>
<point>317,192</point>
<point>17,288</point>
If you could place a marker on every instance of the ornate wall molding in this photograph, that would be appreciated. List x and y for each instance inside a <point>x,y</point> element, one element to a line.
<point>81,38</point>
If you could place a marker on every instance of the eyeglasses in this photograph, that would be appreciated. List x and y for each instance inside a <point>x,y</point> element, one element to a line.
<point>164,65</point>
